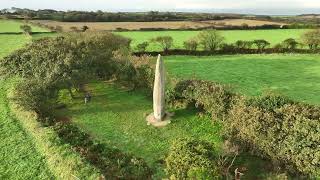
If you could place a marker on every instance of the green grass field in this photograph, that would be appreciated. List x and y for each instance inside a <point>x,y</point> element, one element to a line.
<point>117,117</point>
<point>14,26</point>
<point>18,156</point>
<point>273,36</point>
<point>296,76</point>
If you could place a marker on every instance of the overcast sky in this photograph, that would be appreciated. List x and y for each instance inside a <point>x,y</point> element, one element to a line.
<point>118,5</point>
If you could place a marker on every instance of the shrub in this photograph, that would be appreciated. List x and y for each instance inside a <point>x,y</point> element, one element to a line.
<point>290,44</point>
<point>211,97</point>
<point>211,39</point>
<point>190,158</point>
<point>142,46</point>
<point>26,29</point>
<point>261,44</point>
<point>165,42</point>
<point>191,44</point>
<point>112,162</point>
<point>312,39</point>
<point>280,130</point>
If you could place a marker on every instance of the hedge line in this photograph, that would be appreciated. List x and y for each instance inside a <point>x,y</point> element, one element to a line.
<point>273,127</point>
<point>185,52</point>
<point>62,161</point>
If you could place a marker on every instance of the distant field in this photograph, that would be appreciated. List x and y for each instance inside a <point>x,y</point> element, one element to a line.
<point>108,26</point>
<point>14,26</point>
<point>273,36</point>
<point>296,76</point>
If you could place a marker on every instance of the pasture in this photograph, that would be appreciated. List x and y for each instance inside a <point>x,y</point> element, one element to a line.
<point>295,76</point>
<point>11,26</point>
<point>111,26</point>
<point>273,36</point>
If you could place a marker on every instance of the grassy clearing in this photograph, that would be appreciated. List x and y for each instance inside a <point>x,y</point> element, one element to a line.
<point>296,76</point>
<point>14,26</point>
<point>62,161</point>
<point>273,36</point>
<point>117,117</point>
<point>18,156</point>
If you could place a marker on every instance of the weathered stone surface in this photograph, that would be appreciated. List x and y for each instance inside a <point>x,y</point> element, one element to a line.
<point>159,117</point>
<point>159,91</point>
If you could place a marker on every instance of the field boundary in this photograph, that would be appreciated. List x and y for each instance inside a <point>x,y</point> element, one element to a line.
<point>183,52</point>
<point>63,162</point>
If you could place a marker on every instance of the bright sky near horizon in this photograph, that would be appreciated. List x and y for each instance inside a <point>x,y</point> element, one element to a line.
<point>160,4</point>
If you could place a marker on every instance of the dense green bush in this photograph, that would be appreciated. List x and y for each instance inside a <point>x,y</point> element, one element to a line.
<point>192,159</point>
<point>214,98</point>
<point>271,126</point>
<point>276,128</point>
<point>142,46</point>
<point>191,44</point>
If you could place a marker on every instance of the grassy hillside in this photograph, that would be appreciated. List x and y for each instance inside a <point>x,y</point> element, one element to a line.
<point>296,76</point>
<point>273,36</point>
<point>14,26</point>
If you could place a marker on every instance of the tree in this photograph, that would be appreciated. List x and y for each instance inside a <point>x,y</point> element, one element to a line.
<point>290,44</point>
<point>165,42</point>
<point>84,28</point>
<point>312,39</point>
<point>261,44</point>
<point>243,44</point>
<point>142,46</point>
<point>191,44</point>
<point>26,29</point>
<point>211,39</point>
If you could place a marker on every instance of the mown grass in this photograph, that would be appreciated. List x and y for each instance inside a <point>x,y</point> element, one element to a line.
<point>18,156</point>
<point>118,117</point>
<point>295,76</point>
<point>273,36</point>
<point>14,26</point>
<point>11,42</point>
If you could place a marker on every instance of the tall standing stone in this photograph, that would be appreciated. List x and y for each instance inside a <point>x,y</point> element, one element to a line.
<point>159,91</point>
<point>159,117</point>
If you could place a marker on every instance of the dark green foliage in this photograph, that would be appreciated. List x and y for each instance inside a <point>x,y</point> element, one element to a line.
<point>268,102</point>
<point>240,44</point>
<point>111,162</point>
<point>190,158</point>
<point>273,127</point>
<point>312,39</point>
<point>211,40</point>
<point>261,44</point>
<point>214,98</point>
<point>191,44</point>
<point>26,29</point>
<point>142,46</point>
<point>35,96</point>
<point>165,42</point>
<point>290,44</point>
<point>276,128</point>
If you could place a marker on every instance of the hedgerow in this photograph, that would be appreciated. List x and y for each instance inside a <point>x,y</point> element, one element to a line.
<point>273,127</point>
